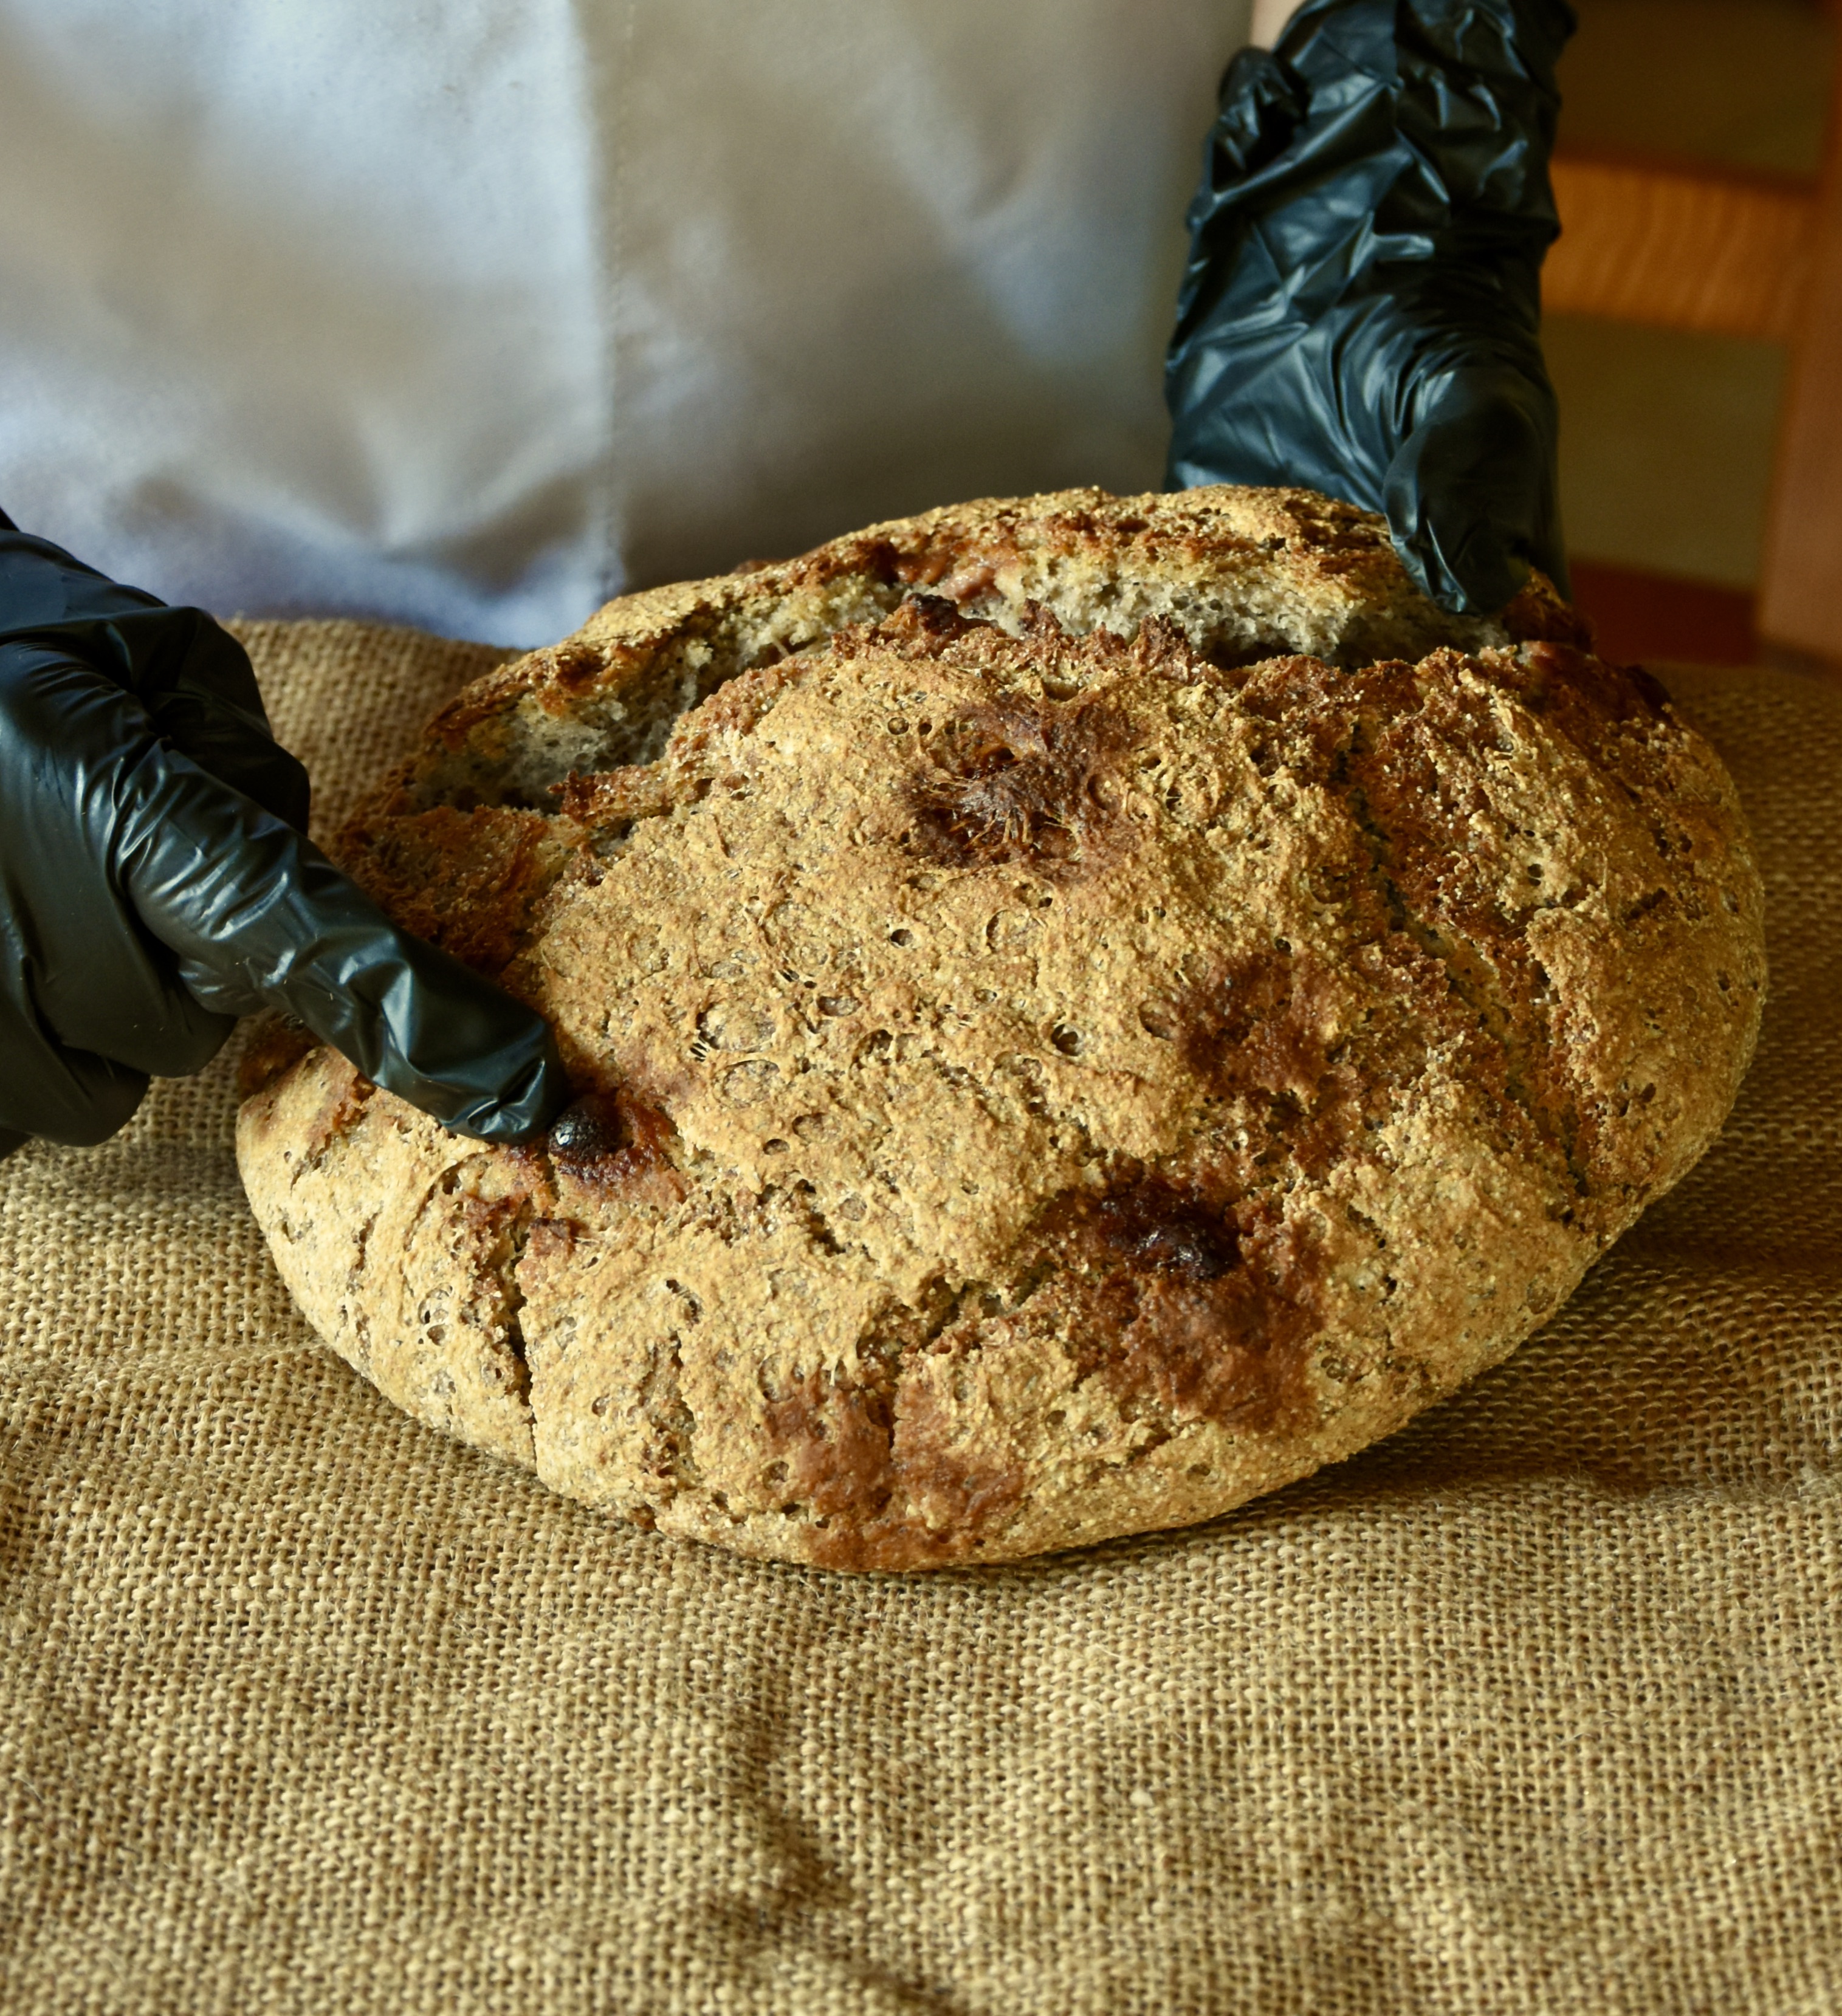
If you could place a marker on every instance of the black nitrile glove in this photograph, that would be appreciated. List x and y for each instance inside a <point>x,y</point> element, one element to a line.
<point>1361,310</point>
<point>154,885</point>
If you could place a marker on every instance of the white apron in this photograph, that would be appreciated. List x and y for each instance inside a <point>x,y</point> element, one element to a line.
<point>472,314</point>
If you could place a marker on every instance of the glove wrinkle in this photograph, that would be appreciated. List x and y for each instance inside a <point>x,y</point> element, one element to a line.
<point>71,745</point>
<point>155,883</point>
<point>258,916</point>
<point>50,1089</point>
<point>192,677</point>
<point>1364,269</point>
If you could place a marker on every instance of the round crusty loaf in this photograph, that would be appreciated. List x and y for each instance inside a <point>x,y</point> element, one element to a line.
<point>1085,1010</point>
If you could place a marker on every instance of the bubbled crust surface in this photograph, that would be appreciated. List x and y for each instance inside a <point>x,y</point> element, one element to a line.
<point>1044,1075</point>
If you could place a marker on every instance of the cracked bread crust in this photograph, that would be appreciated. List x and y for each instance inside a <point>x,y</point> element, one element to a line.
<point>1086,1009</point>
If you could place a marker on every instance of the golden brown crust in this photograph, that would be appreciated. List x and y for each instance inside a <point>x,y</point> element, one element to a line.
<point>1054,1064</point>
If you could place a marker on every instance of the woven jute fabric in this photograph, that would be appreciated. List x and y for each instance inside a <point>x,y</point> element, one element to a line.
<point>1533,1708</point>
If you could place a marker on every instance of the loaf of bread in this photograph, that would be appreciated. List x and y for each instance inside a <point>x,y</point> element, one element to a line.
<point>1084,1010</point>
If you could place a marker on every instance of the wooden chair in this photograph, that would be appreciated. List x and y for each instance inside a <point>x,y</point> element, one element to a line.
<point>1691,246</point>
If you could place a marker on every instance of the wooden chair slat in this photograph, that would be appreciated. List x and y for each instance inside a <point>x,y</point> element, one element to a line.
<point>1680,247</point>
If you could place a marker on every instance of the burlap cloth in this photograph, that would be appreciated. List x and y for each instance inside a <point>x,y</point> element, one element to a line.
<point>1533,1708</point>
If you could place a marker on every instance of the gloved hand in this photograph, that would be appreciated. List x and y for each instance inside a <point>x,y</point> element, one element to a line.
<point>154,883</point>
<point>1361,310</point>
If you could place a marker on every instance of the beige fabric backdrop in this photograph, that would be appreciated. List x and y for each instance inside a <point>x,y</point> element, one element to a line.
<point>1533,1709</point>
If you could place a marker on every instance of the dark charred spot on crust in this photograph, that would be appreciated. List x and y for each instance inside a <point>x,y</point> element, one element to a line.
<point>610,1141</point>
<point>1288,1088</point>
<point>587,1134</point>
<point>1536,614</point>
<point>1196,1312</point>
<point>1236,1349</point>
<point>1253,1033</point>
<point>1583,696</point>
<point>881,560</point>
<point>962,1494</point>
<point>925,624</point>
<point>1240,1023</point>
<point>612,797</point>
<point>275,1045</point>
<point>573,665</point>
<point>892,1488</point>
<point>1020,780</point>
<point>878,1464</point>
<point>1183,1306</point>
<point>1166,1230</point>
<point>834,1436</point>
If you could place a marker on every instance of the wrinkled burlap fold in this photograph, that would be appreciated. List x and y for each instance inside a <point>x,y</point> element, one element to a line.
<point>1534,1708</point>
